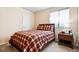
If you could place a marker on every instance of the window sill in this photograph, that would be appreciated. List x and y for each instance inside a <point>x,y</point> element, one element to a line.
<point>62,27</point>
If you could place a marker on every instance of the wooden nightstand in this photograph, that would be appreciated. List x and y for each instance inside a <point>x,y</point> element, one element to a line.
<point>66,39</point>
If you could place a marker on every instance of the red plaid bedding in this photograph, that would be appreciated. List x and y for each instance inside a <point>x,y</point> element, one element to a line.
<point>32,40</point>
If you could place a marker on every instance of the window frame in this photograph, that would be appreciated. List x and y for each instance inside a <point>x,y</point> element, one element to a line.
<point>58,21</point>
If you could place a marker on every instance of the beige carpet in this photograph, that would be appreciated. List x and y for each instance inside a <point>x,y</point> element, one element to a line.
<point>52,47</point>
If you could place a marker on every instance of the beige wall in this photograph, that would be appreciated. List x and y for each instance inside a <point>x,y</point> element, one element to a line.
<point>78,22</point>
<point>74,20</point>
<point>11,21</point>
<point>43,17</point>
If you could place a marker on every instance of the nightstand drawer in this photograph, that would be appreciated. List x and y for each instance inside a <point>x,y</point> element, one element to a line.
<point>68,38</point>
<point>65,39</point>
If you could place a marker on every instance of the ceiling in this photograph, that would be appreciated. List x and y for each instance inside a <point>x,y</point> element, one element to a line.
<point>35,9</point>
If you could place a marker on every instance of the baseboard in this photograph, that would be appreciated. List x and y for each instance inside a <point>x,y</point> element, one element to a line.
<point>3,43</point>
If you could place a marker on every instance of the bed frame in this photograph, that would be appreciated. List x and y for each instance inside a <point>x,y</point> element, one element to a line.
<point>43,27</point>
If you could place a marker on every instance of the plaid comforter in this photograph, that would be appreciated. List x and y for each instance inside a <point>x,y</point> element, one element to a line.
<point>32,40</point>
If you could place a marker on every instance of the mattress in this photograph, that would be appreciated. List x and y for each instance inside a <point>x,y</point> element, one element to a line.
<point>31,40</point>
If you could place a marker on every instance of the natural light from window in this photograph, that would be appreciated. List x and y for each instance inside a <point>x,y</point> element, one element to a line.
<point>60,18</point>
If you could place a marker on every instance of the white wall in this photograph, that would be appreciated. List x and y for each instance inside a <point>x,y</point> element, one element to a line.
<point>11,20</point>
<point>43,17</point>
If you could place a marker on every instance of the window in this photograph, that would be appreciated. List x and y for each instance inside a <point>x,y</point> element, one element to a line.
<point>60,18</point>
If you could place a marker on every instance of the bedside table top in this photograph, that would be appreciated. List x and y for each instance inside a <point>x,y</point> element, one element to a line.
<point>66,34</point>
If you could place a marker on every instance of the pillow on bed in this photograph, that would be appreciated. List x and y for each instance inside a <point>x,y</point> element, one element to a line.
<point>46,27</point>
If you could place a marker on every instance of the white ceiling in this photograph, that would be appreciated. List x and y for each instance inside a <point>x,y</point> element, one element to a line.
<point>35,9</point>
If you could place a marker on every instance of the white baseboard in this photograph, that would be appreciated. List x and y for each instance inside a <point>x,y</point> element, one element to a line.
<point>3,43</point>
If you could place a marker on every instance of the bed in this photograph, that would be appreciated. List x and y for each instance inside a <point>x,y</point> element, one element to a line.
<point>33,40</point>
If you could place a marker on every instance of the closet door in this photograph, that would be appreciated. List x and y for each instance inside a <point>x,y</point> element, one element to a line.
<point>26,21</point>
